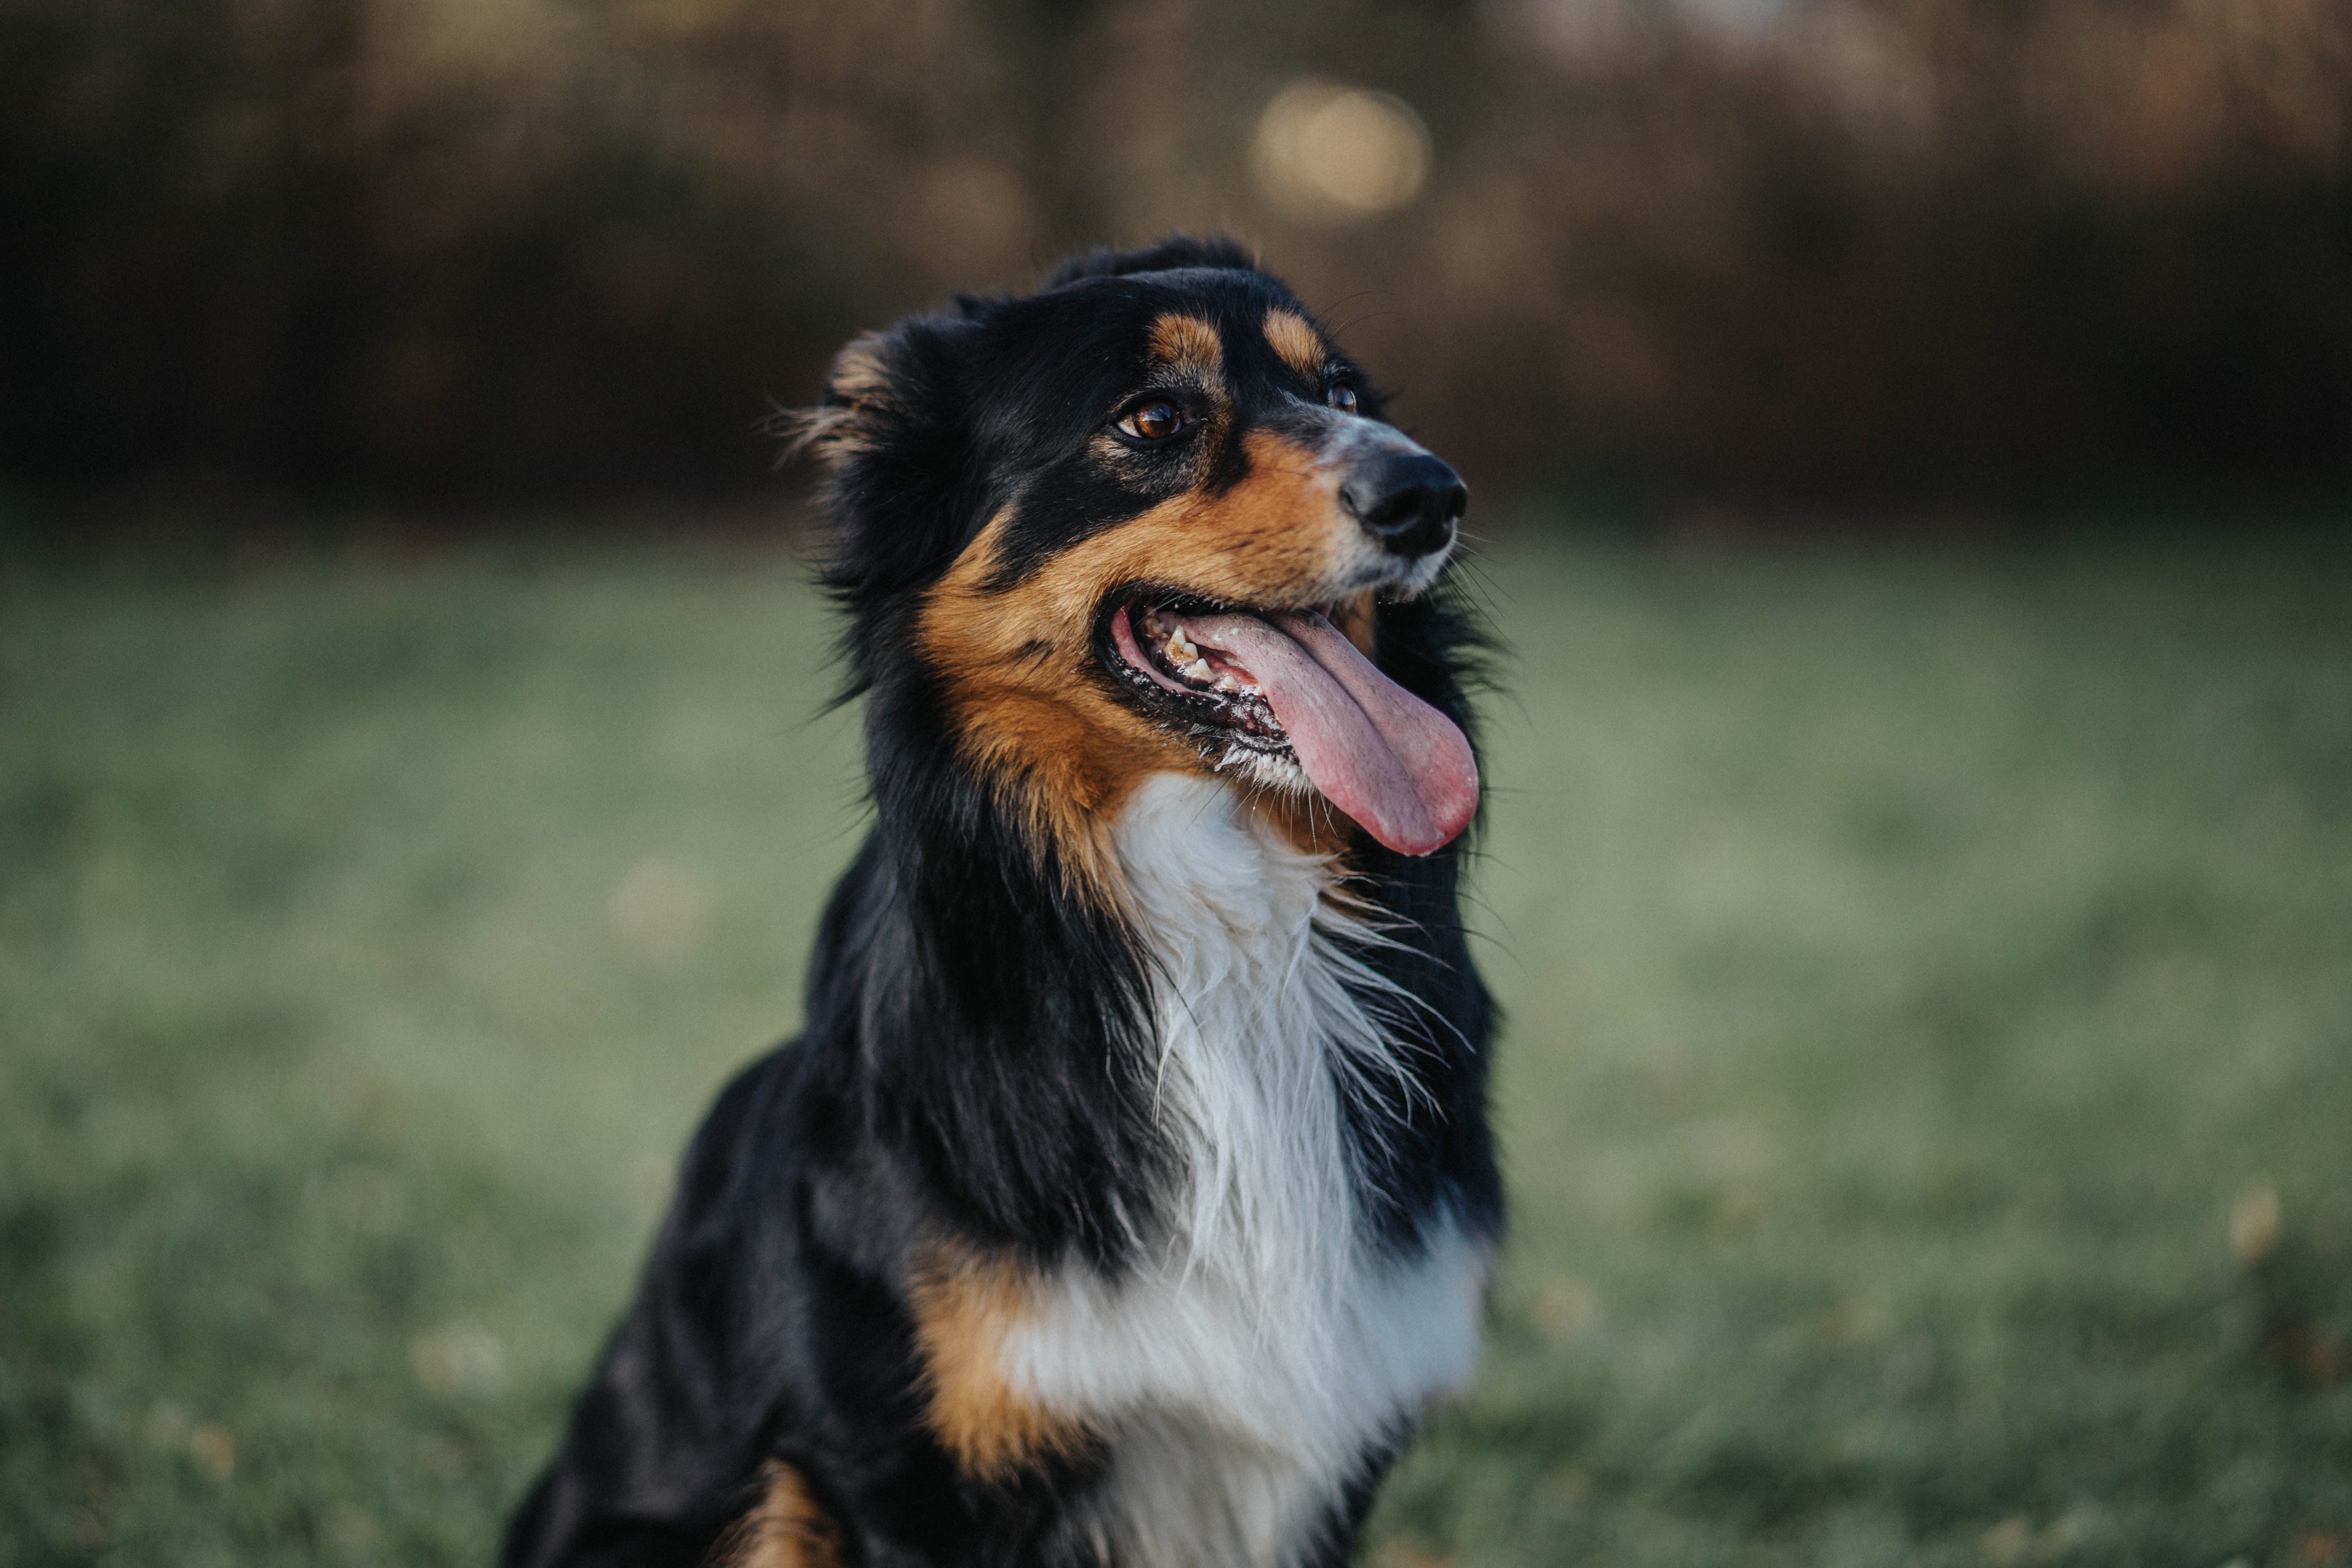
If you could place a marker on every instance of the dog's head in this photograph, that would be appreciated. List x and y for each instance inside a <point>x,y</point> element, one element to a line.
<point>1148,518</point>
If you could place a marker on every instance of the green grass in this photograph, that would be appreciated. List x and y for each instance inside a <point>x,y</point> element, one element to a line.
<point>1928,1093</point>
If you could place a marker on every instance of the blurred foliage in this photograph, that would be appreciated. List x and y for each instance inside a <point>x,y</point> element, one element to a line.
<point>1762,252</point>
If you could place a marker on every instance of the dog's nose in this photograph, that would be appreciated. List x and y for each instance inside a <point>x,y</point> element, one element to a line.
<point>1409,501</point>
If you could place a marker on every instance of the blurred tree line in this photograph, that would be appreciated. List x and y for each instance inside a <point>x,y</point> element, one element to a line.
<point>1793,254</point>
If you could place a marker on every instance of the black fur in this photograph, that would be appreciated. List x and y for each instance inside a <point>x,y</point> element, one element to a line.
<point>975,1061</point>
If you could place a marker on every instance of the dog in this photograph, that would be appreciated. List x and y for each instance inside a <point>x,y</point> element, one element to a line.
<point>1128,1198</point>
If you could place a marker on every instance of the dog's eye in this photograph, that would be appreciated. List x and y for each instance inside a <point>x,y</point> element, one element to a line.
<point>1341,396</point>
<point>1153,421</point>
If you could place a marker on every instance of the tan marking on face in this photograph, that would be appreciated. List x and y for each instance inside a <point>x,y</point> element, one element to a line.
<point>1296,343</point>
<point>1018,665</point>
<point>965,1305</point>
<point>1354,618</point>
<point>1188,342</point>
<point>785,1530</point>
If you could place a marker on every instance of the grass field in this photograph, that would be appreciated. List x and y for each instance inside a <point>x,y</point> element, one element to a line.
<point>1927,1094</point>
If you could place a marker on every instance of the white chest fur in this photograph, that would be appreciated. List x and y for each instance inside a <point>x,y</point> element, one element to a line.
<point>1265,1343</point>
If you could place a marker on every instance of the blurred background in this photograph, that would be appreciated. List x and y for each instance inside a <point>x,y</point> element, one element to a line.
<point>1910,442</point>
<point>1761,254</point>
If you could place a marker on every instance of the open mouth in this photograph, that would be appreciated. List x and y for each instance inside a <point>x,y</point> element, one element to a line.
<point>1282,692</point>
<point>1209,679</point>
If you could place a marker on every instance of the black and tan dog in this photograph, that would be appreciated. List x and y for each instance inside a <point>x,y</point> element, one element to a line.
<point>1130,1195</point>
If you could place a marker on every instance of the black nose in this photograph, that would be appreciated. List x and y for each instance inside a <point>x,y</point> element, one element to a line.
<point>1409,501</point>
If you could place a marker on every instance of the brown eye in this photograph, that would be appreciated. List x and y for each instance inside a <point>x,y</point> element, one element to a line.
<point>1153,421</point>
<point>1341,396</point>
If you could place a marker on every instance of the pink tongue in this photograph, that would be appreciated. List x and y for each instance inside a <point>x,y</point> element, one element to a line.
<point>1383,755</point>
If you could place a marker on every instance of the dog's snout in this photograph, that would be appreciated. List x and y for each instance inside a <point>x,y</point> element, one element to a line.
<point>1409,502</point>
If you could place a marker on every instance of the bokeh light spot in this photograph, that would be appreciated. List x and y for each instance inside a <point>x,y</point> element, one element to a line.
<point>1328,154</point>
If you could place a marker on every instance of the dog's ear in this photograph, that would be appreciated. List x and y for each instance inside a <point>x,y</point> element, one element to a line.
<point>1166,256</point>
<point>893,432</point>
<point>855,400</point>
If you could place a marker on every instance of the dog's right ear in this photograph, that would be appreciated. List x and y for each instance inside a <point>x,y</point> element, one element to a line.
<point>900,489</point>
<point>845,419</point>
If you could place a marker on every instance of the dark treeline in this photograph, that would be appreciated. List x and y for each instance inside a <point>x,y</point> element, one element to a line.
<point>1850,252</point>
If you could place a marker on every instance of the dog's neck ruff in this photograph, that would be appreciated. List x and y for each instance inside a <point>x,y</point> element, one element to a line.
<point>1266,1342</point>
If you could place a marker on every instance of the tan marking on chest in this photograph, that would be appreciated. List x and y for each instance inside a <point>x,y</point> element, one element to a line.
<point>965,1305</point>
<point>1308,824</point>
<point>785,1529</point>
